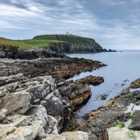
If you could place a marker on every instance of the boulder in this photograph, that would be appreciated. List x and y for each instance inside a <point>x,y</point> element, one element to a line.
<point>91,80</point>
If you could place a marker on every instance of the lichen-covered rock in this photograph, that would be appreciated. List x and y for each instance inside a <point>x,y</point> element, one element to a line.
<point>17,97</point>
<point>123,134</point>
<point>21,133</point>
<point>53,137</point>
<point>17,102</point>
<point>77,135</point>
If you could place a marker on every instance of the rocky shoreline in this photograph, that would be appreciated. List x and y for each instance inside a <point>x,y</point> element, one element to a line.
<point>118,119</point>
<point>37,103</point>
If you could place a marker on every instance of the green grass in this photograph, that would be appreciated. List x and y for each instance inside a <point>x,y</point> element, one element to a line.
<point>119,125</point>
<point>64,37</point>
<point>4,41</point>
<point>39,43</point>
<point>45,40</point>
<point>27,44</point>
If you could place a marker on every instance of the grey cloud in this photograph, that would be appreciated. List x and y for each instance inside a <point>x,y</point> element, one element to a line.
<point>108,22</point>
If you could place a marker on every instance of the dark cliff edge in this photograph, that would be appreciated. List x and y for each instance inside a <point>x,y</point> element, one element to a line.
<point>14,52</point>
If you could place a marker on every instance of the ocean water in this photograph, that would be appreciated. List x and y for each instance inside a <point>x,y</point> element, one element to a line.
<point>123,68</point>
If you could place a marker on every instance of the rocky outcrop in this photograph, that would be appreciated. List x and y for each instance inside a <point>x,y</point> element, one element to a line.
<point>15,52</point>
<point>59,68</point>
<point>91,80</point>
<point>118,117</point>
<point>36,108</point>
<point>75,93</point>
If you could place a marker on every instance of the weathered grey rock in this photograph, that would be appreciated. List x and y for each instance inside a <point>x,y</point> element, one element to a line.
<point>17,97</point>
<point>21,133</point>
<point>77,135</point>
<point>52,125</point>
<point>39,113</point>
<point>5,130</point>
<point>53,137</point>
<point>53,105</point>
<point>123,134</point>
<point>31,107</point>
<point>17,120</point>
<point>13,78</point>
<point>75,93</point>
<point>17,102</point>
<point>3,113</point>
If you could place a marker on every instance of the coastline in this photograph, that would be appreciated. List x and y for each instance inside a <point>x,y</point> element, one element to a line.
<point>35,93</point>
<point>27,91</point>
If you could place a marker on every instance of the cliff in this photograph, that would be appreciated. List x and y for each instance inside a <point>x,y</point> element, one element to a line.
<point>71,43</point>
<point>48,46</point>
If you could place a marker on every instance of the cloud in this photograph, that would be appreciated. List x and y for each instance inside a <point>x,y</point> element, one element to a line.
<point>65,15</point>
<point>112,23</point>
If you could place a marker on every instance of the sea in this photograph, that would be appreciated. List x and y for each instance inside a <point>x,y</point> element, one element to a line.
<point>122,68</point>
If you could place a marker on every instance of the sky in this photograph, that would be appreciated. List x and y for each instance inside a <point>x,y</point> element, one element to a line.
<point>114,24</point>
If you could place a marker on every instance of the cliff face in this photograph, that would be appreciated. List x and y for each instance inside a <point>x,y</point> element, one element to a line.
<point>14,52</point>
<point>48,46</point>
<point>71,43</point>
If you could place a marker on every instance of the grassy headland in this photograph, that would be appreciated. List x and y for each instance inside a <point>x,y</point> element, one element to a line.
<point>59,43</point>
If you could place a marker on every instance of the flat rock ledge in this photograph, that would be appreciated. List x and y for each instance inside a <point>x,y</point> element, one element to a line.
<point>59,68</point>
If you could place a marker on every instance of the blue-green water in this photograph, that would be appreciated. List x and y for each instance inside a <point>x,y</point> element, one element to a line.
<point>123,68</point>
